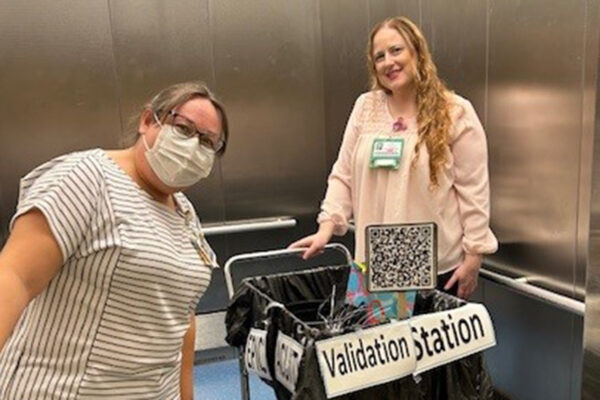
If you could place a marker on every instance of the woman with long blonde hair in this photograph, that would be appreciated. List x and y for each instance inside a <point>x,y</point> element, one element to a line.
<point>438,172</point>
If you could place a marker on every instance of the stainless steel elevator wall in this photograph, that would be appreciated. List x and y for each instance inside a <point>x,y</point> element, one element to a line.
<point>591,331</point>
<point>72,74</point>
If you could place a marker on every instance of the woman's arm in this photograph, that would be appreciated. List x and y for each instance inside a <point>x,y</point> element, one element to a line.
<point>187,361</point>
<point>316,242</point>
<point>30,258</point>
<point>471,182</point>
<point>337,203</point>
<point>336,207</point>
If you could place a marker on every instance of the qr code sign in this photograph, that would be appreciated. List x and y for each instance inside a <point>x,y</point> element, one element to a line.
<point>402,256</point>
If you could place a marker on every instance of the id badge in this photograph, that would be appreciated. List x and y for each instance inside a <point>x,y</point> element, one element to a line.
<point>386,153</point>
<point>204,252</point>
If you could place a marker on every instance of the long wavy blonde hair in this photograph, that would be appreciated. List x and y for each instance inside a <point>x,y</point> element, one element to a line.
<point>433,107</point>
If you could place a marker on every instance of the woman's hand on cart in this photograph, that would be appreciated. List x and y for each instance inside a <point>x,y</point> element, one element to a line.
<point>466,276</point>
<point>316,242</point>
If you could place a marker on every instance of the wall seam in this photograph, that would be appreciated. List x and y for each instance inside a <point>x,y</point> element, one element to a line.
<point>582,134</point>
<point>118,91</point>
<point>487,62</point>
<point>320,54</point>
<point>213,72</point>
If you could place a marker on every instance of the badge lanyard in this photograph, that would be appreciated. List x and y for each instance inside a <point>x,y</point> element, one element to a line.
<point>198,241</point>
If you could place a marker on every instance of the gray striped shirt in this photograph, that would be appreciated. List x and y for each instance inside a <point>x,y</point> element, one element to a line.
<point>111,322</point>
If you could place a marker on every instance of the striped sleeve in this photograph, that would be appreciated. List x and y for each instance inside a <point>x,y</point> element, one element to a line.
<point>67,191</point>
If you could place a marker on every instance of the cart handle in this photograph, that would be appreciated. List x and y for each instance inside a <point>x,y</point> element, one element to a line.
<point>275,254</point>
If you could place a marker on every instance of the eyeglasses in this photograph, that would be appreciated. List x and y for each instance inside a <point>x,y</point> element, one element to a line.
<point>187,128</point>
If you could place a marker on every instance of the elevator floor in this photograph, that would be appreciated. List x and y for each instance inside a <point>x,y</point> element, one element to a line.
<point>221,381</point>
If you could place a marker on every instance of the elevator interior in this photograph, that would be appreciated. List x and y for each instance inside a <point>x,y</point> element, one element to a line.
<point>72,73</point>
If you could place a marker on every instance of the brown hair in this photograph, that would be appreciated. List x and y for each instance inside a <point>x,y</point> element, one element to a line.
<point>433,108</point>
<point>178,94</point>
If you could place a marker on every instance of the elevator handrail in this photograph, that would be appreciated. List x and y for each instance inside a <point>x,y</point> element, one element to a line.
<point>521,286</point>
<point>249,225</point>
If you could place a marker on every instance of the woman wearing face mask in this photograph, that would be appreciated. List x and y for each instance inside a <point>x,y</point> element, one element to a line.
<point>438,172</point>
<point>106,261</point>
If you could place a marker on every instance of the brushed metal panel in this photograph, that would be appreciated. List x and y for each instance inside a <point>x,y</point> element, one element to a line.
<point>345,37</point>
<point>58,86</point>
<point>457,39</point>
<point>268,70</point>
<point>534,134</point>
<point>538,347</point>
<point>382,9</point>
<point>165,44</point>
<point>590,64</point>
<point>591,336</point>
<point>577,359</point>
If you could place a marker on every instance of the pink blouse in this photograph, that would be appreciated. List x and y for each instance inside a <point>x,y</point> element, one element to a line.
<point>459,205</point>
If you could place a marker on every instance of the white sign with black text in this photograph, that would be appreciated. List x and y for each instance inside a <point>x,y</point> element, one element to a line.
<point>255,355</point>
<point>366,358</point>
<point>445,336</point>
<point>288,354</point>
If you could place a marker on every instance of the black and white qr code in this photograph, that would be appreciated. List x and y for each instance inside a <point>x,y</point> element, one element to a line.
<point>401,256</point>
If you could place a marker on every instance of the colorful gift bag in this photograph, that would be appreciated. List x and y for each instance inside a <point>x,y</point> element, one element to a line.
<point>381,306</point>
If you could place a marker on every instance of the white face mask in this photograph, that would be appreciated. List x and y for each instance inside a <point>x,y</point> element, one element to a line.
<point>178,160</point>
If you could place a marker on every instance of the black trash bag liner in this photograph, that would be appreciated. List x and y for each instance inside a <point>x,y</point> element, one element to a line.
<point>308,310</point>
<point>312,287</point>
<point>301,295</point>
<point>463,379</point>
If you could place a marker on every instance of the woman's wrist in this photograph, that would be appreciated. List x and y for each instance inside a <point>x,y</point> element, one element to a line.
<point>473,260</point>
<point>474,255</point>
<point>327,228</point>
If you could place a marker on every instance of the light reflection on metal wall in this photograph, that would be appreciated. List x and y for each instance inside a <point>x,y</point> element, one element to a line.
<point>268,70</point>
<point>591,330</point>
<point>344,38</point>
<point>531,104</point>
<point>460,48</point>
<point>534,130</point>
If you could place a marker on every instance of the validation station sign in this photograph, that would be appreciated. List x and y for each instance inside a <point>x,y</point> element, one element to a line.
<point>366,358</point>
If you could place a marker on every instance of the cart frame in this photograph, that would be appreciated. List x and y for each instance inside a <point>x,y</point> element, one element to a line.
<point>261,255</point>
